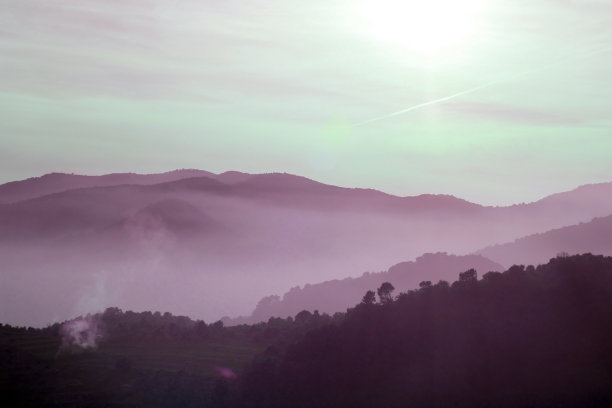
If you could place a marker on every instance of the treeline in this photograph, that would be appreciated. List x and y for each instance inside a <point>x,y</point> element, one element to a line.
<point>527,337</point>
<point>151,359</point>
<point>119,326</point>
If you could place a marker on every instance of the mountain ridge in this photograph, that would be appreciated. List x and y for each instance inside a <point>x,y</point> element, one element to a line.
<point>12,191</point>
<point>592,236</point>
<point>339,294</point>
<point>269,231</point>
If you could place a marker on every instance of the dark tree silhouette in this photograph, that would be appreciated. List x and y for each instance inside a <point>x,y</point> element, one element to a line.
<point>425,284</point>
<point>369,298</point>
<point>468,276</point>
<point>384,292</point>
<point>303,317</point>
<point>527,337</point>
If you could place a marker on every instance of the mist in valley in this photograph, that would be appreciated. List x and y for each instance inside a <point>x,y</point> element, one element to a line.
<point>207,248</point>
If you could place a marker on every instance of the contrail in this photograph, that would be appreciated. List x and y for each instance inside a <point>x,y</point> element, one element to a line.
<point>471,90</point>
<point>422,105</point>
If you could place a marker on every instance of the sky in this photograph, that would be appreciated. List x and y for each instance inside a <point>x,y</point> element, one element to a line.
<point>494,101</point>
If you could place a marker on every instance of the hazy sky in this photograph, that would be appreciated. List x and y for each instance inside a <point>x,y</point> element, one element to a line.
<point>96,86</point>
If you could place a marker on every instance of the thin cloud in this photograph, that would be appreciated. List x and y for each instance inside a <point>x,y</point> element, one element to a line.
<point>511,114</point>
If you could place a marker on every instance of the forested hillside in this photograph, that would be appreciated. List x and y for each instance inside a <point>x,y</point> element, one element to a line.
<point>526,337</point>
<point>530,336</point>
<point>337,295</point>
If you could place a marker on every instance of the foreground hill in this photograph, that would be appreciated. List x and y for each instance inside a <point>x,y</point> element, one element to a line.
<point>594,236</point>
<point>127,359</point>
<point>537,337</point>
<point>338,295</point>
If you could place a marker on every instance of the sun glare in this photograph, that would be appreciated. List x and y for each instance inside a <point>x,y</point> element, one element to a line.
<point>423,26</point>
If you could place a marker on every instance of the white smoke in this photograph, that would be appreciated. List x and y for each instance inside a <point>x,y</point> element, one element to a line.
<point>82,333</point>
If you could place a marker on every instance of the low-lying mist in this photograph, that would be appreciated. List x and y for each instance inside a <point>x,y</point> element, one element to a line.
<point>207,249</point>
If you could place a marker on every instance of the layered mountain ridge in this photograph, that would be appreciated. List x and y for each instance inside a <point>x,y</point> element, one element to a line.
<point>170,241</point>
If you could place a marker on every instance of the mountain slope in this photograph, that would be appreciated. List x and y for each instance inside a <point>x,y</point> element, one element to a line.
<point>172,215</point>
<point>337,295</point>
<point>116,244</point>
<point>527,337</point>
<point>594,236</point>
<point>56,182</point>
<point>88,209</point>
<point>578,205</point>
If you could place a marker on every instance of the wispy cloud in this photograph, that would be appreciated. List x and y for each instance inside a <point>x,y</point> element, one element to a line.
<point>511,114</point>
<point>90,85</point>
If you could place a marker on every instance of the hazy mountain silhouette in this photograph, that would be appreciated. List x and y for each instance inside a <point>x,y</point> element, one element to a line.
<point>87,209</point>
<point>75,211</point>
<point>578,205</point>
<point>193,184</point>
<point>232,177</point>
<point>300,191</point>
<point>585,201</point>
<point>594,236</point>
<point>173,215</point>
<point>169,240</point>
<point>57,182</point>
<point>337,295</point>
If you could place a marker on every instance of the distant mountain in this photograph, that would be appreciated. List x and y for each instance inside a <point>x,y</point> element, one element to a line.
<point>170,240</point>
<point>337,295</point>
<point>578,205</point>
<point>57,182</point>
<point>176,216</point>
<point>233,177</point>
<point>594,236</point>
<point>192,184</point>
<point>84,211</point>
<point>300,192</point>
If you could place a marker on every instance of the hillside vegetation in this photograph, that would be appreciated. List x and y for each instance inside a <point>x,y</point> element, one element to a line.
<point>525,337</point>
<point>530,336</point>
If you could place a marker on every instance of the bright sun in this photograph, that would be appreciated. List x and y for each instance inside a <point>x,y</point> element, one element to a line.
<point>424,26</point>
